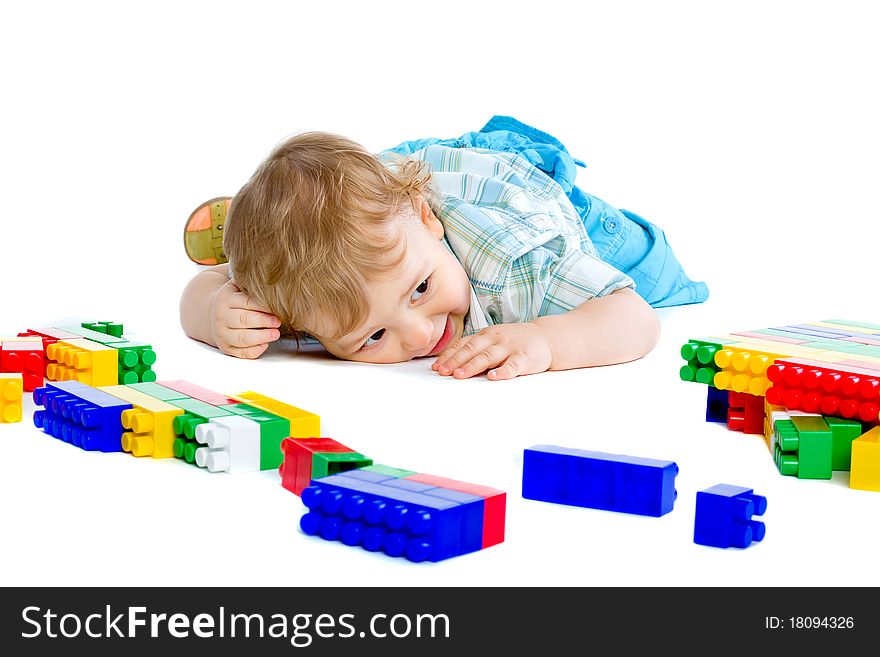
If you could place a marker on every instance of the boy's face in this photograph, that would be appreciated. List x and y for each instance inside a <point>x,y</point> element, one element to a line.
<point>418,309</point>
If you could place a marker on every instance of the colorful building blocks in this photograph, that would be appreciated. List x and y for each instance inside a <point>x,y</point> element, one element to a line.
<point>724,514</point>
<point>148,425</point>
<point>107,328</point>
<point>81,415</point>
<point>745,412</point>
<point>135,361</point>
<point>865,467</point>
<point>195,413</point>
<point>302,423</point>
<point>11,388</point>
<point>410,519</point>
<point>305,459</point>
<point>717,404</point>
<point>95,336</point>
<point>273,429</point>
<point>803,447</point>
<point>82,360</point>
<point>26,358</point>
<point>230,444</point>
<point>612,482</point>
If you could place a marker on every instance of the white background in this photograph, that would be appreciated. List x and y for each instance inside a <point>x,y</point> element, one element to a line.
<point>749,132</point>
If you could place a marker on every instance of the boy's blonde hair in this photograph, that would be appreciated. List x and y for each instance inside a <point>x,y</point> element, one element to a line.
<point>314,223</point>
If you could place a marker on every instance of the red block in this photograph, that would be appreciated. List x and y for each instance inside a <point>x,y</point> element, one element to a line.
<point>296,468</point>
<point>494,509</point>
<point>24,357</point>
<point>745,412</point>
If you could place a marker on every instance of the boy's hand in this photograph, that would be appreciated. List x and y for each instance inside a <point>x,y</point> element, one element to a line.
<point>239,325</point>
<point>506,350</point>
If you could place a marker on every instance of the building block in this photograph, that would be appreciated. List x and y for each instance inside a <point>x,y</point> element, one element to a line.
<point>95,336</point>
<point>82,360</point>
<point>229,444</point>
<point>302,423</point>
<point>843,433</point>
<point>716,404</point>
<point>107,328</point>
<point>743,369</point>
<point>26,358</point>
<point>865,467</point>
<point>494,504</point>
<point>828,388</point>
<point>724,514</point>
<point>745,412</point>
<point>273,429</point>
<point>198,392</point>
<point>195,413</point>
<point>298,461</point>
<point>11,388</point>
<point>81,415</point>
<point>700,357</point>
<point>802,447</point>
<point>136,361</point>
<point>612,482</point>
<point>149,424</point>
<point>418,526</point>
<point>387,470</point>
<point>159,392</point>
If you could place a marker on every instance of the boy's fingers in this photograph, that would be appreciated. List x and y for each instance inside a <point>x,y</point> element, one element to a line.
<point>460,353</point>
<point>245,338</point>
<point>252,319</point>
<point>252,352</point>
<point>485,359</point>
<point>510,369</point>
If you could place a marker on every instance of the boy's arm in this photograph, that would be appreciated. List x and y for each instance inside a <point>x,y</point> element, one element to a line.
<point>615,328</point>
<point>215,311</point>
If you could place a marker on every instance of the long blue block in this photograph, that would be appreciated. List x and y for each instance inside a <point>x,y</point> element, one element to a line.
<point>612,482</point>
<point>399,522</point>
<point>716,404</point>
<point>81,415</point>
<point>724,516</point>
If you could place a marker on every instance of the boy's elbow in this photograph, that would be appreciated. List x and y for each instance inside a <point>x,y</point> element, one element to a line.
<point>649,324</point>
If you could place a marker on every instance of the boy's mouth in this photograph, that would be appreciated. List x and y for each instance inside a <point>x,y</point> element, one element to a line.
<point>445,338</point>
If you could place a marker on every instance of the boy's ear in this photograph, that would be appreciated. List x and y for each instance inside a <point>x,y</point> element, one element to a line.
<point>429,219</point>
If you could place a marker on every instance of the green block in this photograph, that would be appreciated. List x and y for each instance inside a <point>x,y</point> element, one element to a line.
<point>388,470</point>
<point>802,447</point>
<point>700,357</point>
<point>846,322</point>
<point>157,391</point>
<point>108,328</point>
<point>866,350</point>
<point>331,463</point>
<point>135,362</point>
<point>843,432</point>
<point>273,429</point>
<point>95,336</point>
<point>197,412</point>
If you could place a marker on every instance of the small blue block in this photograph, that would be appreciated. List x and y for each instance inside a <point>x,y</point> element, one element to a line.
<point>611,482</point>
<point>81,415</point>
<point>377,517</point>
<point>724,517</point>
<point>716,404</point>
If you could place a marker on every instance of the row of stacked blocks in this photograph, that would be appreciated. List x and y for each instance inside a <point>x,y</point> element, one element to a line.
<point>348,498</point>
<point>94,353</point>
<point>643,486</point>
<point>812,390</point>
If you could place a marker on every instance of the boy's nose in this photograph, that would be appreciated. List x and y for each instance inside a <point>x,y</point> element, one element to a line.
<point>418,333</point>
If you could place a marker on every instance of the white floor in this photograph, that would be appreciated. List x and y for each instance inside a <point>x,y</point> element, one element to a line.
<point>750,137</point>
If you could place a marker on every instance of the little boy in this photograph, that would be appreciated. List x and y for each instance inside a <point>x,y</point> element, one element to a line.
<point>471,256</point>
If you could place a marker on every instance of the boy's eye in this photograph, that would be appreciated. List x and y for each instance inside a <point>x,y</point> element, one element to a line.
<point>421,289</point>
<point>373,339</point>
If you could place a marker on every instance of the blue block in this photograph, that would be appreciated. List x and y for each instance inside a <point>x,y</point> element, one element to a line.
<point>376,517</point>
<point>81,415</point>
<point>832,333</point>
<point>366,475</point>
<point>813,332</point>
<point>724,516</point>
<point>612,482</point>
<point>716,405</point>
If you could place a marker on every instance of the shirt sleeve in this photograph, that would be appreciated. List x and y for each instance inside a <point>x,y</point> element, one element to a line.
<point>543,283</point>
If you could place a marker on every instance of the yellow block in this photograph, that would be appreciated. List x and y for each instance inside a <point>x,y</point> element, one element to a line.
<point>82,360</point>
<point>148,430</point>
<point>744,369</point>
<point>11,387</point>
<point>864,472</point>
<point>302,423</point>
